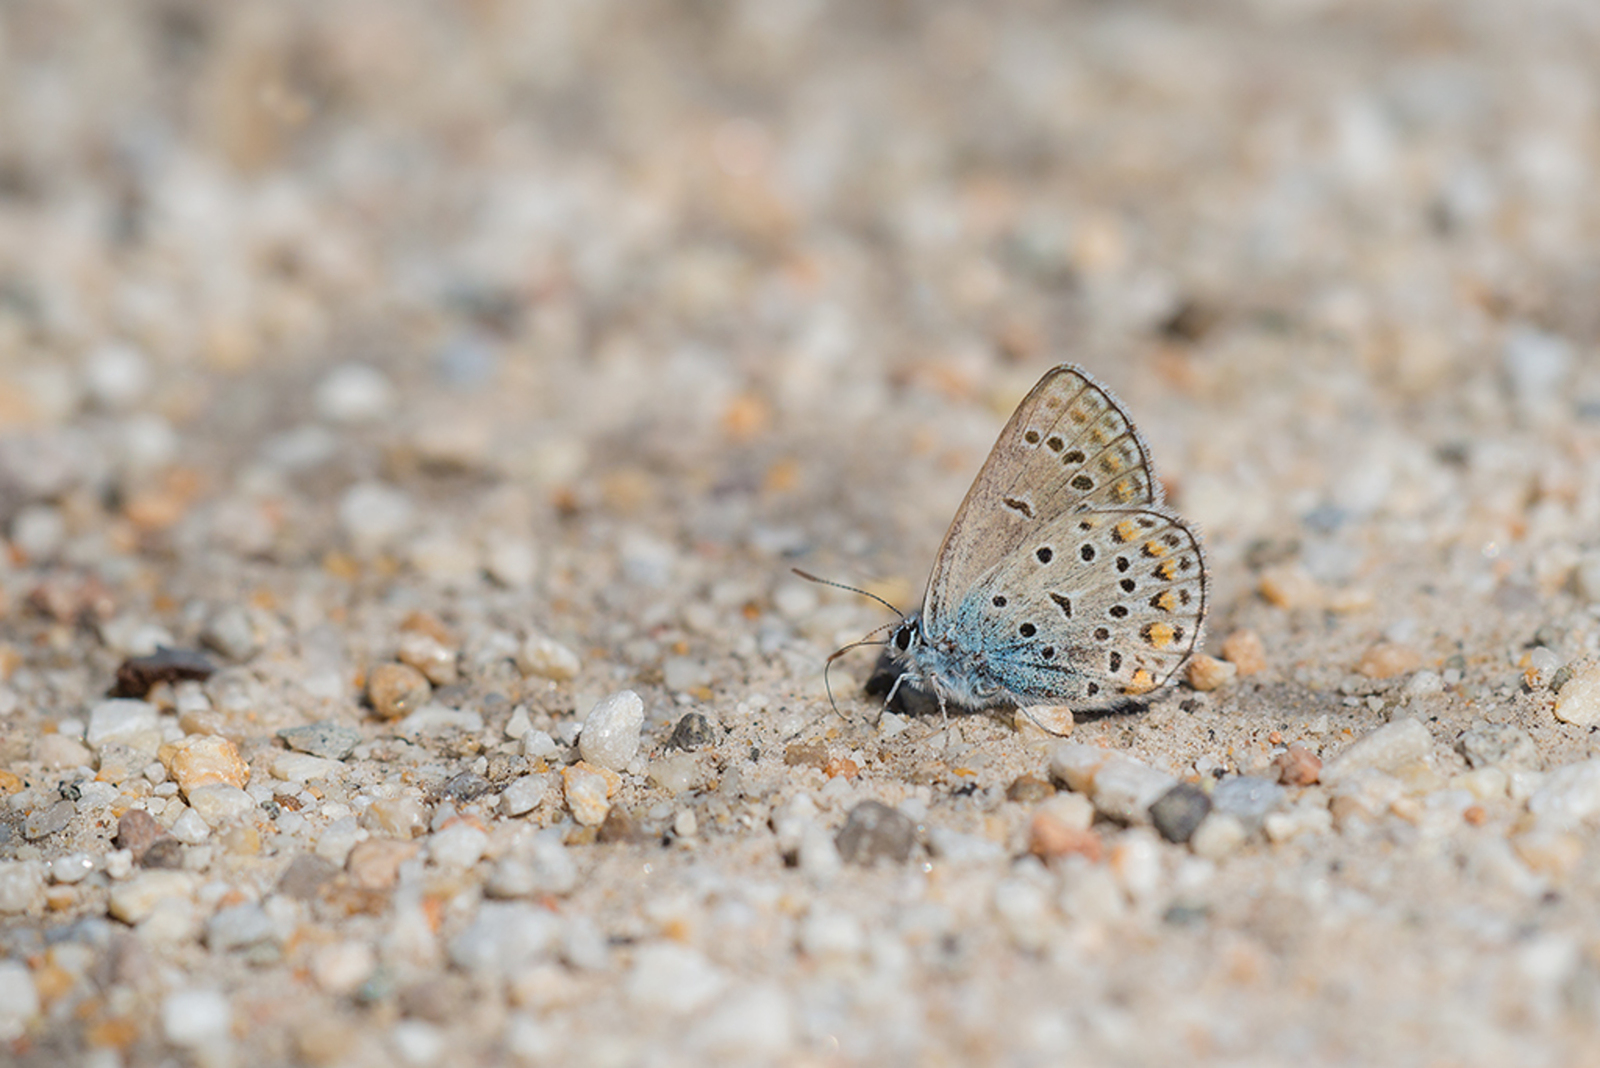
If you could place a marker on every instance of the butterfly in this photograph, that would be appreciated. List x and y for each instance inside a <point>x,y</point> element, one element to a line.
<point>1063,579</point>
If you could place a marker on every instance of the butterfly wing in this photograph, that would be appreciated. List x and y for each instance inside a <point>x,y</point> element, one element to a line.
<point>1069,446</point>
<point>1093,607</point>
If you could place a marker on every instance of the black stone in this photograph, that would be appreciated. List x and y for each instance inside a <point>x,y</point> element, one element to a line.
<point>137,675</point>
<point>692,732</point>
<point>1179,811</point>
<point>874,831</point>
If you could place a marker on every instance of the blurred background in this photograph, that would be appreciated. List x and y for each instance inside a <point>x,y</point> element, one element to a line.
<point>766,277</point>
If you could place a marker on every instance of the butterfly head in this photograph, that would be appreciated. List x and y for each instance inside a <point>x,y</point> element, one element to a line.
<point>906,638</point>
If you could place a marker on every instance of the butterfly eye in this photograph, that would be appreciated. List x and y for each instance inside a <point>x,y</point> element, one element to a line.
<point>902,639</point>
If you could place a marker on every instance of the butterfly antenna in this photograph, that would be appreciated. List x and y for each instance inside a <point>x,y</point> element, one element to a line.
<point>827,667</point>
<point>809,577</point>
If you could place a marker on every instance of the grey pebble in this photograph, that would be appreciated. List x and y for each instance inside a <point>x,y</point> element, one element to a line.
<point>692,732</point>
<point>305,877</point>
<point>874,831</point>
<point>239,927</point>
<point>231,633</point>
<point>43,822</point>
<point>466,786</point>
<point>1179,811</point>
<point>165,852</point>
<point>1247,798</point>
<point>333,741</point>
<point>1499,745</point>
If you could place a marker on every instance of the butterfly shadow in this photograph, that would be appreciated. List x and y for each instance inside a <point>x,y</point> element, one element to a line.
<point>907,697</point>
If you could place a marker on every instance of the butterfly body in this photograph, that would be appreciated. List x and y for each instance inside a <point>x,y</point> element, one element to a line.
<point>1063,578</point>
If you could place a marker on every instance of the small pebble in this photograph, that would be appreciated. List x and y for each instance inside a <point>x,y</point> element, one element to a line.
<point>59,751</point>
<point>1569,797</point>
<point>1243,649</point>
<point>136,831</point>
<point>1578,702</point>
<point>1206,673</point>
<point>1029,789</point>
<point>546,868</point>
<point>610,737</point>
<point>1501,745</point>
<point>397,690</point>
<point>458,846</point>
<point>326,739</point>
<point>339,969</point>
<point>523,795</point>
<point>120,719</point>
<point>547,658</point>
<point>137,675</point>
<point>19,1000</point>
<point>196,1018</point>
<point>135,900</point>
<point>1218,835</point>
<point>467,786</point>
<point>1124,790</point>
<point>1247,799</point>
<point>47,820</point>
<point>586,795</point>
<point>1298,766</point>
<point>375,516</point>
<point>1424,682</point>
<point>354,393</point>
<point>375,863</point>
<point>189,828</point>
<point>1385,749</point>
<point>873,831</point>
<point>1307,818</point>
<point>1289,586</point>
<point>1051,836</point>
<point>71,869</point>
<point>203,759</point>
<point>1178,812</point>
<point>239,927</point>
<point>537,745</point>
<point>305,877</point>
<point>673,978</point>
<point>511,561</point>
<point>232,633</point>
<point>219,802</point>
<point>164,853</point>
<point>401,817</point>
<point>1056,721</point>
<point>1385,660</point>
<point>692,732</point>
<point>21,885</point>
<point>429,655</point>
<point>303,767</point>
<point>1076,765</point>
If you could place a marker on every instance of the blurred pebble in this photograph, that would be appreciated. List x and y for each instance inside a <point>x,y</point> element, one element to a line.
<point>374,516</point>
<point>1288,586</point>
<point>1578,701</point>
<point>192,1019</point>
<point>672,978</point>
<point>1054,832</point>
<point>47,820</point>
<point>610,737</point>
<point>1243,649</point>
<point>1179,811</point>
<point>119,719</point>
<point>1424,682</point>
<point>59,751</point>
<point>219,802</point>
<point>339,969</point>
<point>418,1043</point>
<point>189,828</point>
<point>465,786</point>
<point>547,658</point>
<point>1076,765</point>
<point>1586,577</point>
<point>129,635</point>
<point>1385,749</point>
<point>1298,766</point>
<point>231,632</point>
<point>1029,789</point>
<point>19,1000</point>
<point>430,656</point>
<point>586,795</point>
<point>692,732</point>
<point>38,531</point>
<point>305,877</point>
<point>1385,660</point>
<point>1502,745</point>
<point>21,885</point>
<point>511,561</point>
<point>1247,799</point>
<point>1218,835</point>
<point>71,869</point>
<point>458,846</point>
<point>326,739</point>
<point>1307,818</point>
<point>239,927</point>
<point>375,864</point>
<point>537,745</point>
<point>402,816</point>
<point>683,674</point>
<point>137,675</point>
<point>1569,796</point>
<point>1124,790</point>
<point>354,393</point>
<point>1537,365</point>
<point>523,795</point>
<point>135,900</point>
<point>546,867</point>
<point>873,831</point>
<point>136,831</point>
<point>1206,673</point>
<point>396,690</point>
<point>303,767</point>
<point>116,376</point>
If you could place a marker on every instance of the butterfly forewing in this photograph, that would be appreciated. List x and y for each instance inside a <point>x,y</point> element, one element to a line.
<point>1069,446</point>
<point>1094,607</point>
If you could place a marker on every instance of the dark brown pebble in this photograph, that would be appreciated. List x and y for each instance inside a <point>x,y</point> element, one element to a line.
<point>137,675</point>
<point>136,830</point>
<point>1029,789</point>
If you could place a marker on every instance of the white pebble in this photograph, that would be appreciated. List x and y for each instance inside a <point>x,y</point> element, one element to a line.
<point>38,531</point>
<point>1569,796</point>
<point>1076,764</point>
<point>189,828</point>
<point>375,515</point>
<point>218,802</point>
<point>21,885</point>
<point>116,376</point>
<point>1387,748</point>
<point>524,795</point>
<point>1124,790</point>
<point>137,899</point>
<point>511,561</point>
<point>418,1042</point>
<point>519,724</point>
<point>19,999</point>
<point>673,978</point>
<point>1424,682</point>
<point>1578,702</point>
<point>340,968</point>
<point>120,719</point>
<point>1218,835</point>
<point>354,393</point>
<point>303,767</point>
<point>72,868</point>
<point>685,824</point>
<point>547,658</point>
<point>536,745</point>
<point>610,737</point>
<point>754,1024</point>
<point>1308,818</point>
<point>458,846</point>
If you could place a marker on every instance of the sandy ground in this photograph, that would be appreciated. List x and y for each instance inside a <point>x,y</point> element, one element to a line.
<point>434,374</point>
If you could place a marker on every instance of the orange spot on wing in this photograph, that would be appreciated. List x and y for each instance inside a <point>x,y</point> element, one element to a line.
<point>1141,683</point>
